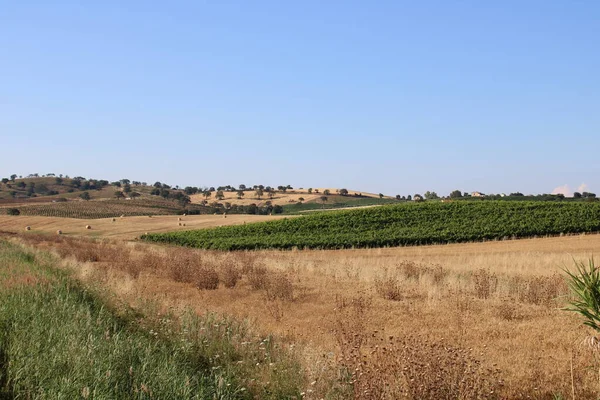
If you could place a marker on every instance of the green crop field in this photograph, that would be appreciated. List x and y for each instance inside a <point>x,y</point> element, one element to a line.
<point>334,202</point>
<point>399,225</point>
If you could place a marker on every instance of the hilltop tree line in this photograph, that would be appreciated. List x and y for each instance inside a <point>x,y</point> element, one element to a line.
<point>125,189</point>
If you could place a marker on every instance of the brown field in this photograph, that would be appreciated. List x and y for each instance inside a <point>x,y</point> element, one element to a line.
<point>479,320</point>
<point>127,228</point>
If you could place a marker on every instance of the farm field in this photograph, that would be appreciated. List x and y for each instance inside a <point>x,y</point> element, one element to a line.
<point>490,313</point>
<point>487,312</point>
<point>398,225</point>
<point>181,213</point>
<point>98,208</point>
<point>294,196</point>
<point>337,202</point>
<point>127,228</point>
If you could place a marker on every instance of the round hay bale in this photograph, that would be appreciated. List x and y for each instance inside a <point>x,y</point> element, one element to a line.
<point>122,216</point>
<point>114,219</point>
<point>183,224</point>
<point>179,223</point>
<point>149,216</point>
<point>88,227</point>
<point>224,215</point>
<point>27,228</point>
<point>184,214</point>
<point>59,232</point>
<point>178,219</point>
<point>145,233</point>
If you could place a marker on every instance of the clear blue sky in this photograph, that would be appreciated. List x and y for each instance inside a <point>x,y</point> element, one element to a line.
<point>391,96</point>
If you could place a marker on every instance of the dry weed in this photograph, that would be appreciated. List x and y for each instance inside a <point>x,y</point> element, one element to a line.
<point>539,290</point>
<point>258,277</point>
<point>279,287</point>
<point>507,310</point>
<point>485,283</point>
<point>275,309</point>
<point>386,367</point>
<point>351,318</point>
<point>207,278</point>
<point>229,273</point>
<point>437,273</point>
<point>183,266</point>
<point>388,287</point>
<point>410,269</point>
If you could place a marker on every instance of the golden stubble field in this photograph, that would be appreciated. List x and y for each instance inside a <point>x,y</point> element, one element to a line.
<point>127,228</point>
<point>405,322</point>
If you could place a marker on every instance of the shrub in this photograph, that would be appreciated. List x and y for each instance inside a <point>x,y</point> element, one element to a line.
<point>13,211</point>
<point>207,279</point>
<point>485,283</point>
<point>182,266</point>
<point>409,269</point>
<point>257,277</point>
<point>230,274</point>
<point>85,196</point>
<point>388,287</point>
<point>540,290</point>
<point>279,287</point>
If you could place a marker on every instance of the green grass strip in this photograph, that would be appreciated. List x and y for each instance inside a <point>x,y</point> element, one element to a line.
<point>60,341</point>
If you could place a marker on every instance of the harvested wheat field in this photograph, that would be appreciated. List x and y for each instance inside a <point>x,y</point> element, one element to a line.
<point>477,320</point>
<point>123,228</point>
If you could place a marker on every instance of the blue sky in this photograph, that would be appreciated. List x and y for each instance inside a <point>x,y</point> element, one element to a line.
<point>396,97</point>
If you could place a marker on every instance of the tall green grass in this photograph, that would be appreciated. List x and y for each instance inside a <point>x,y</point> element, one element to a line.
<point>61,340</point>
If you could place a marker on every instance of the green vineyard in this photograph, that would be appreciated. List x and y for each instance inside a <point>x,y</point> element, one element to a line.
<point>399,225</point>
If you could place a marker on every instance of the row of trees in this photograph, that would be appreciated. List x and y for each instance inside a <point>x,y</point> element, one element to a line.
<point>584,195</point>
<point>228,208</point>
<point>13,177</point>
<point>177,195</point>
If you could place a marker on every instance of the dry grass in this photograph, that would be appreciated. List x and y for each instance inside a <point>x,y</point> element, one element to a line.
<point>380,366</point>
<point>459,321</point>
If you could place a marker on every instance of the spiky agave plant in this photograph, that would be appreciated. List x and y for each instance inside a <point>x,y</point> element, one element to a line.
<point>584,283</point>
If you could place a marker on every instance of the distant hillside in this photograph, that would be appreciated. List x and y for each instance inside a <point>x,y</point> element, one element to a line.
<point>105,208</point>
<point>26,189</point>
<point>56,188</point>
<point>62,195</point>
<point>321,196</point>
<point>91,198</point>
